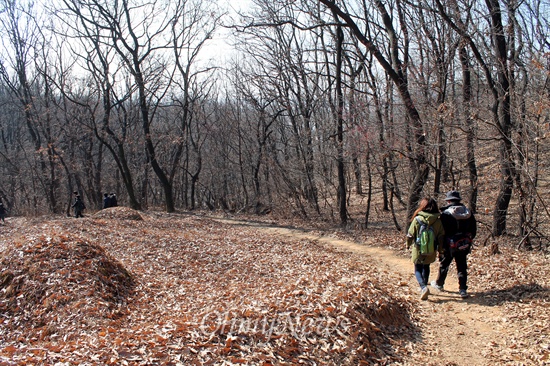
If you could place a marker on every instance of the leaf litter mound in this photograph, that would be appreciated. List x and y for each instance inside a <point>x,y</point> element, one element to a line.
<point>51,282</point>
<point>200,292</point>
<point>118,213</point>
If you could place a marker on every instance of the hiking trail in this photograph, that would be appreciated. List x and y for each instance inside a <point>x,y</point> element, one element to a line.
<point>455,331</point>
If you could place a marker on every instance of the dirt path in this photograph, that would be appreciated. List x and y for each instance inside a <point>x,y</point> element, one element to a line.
<point>455,331</point>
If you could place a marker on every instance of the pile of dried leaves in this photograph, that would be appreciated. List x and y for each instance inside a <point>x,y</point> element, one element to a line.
<point>51,278</point>
<point>118,213</point>
<point>177,289</point>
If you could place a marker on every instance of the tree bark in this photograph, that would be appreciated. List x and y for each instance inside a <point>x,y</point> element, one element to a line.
<point>504,120</point>
<point>342,207</point>
<point>470,128</point>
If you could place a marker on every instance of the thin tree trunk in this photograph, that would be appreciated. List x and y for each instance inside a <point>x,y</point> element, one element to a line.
<point>470,128</point>
<point>342,207</point>
<point>369,188</point>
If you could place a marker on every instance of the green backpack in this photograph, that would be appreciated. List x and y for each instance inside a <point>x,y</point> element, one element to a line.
<point>425,239</point>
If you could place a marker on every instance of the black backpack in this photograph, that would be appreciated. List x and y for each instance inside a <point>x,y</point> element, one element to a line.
<point>461,239</point>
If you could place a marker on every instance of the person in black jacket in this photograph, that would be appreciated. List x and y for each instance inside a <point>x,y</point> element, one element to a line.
<point>78,205</point>
<point>114,202</point>
<point>106,200</point>
<point>460,229</point>
<point>3,212</point>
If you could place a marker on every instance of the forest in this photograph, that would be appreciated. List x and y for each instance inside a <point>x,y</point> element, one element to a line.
<point>311,107</point>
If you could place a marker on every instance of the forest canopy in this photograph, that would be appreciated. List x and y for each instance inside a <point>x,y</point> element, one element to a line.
<point>319,103</point>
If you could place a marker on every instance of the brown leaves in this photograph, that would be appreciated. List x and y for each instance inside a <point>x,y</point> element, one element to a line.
<point>179,289</point>
<point>200,291</point>
<point>55,284</point>
<point>518,282</point>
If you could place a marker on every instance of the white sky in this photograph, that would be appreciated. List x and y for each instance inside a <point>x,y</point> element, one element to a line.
<point>219,49</point>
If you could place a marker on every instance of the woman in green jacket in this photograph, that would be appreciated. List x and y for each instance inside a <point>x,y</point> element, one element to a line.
<point>427,213</point>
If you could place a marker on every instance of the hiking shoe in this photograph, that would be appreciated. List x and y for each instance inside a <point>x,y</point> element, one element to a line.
<point>436,286</point>
<point>463,294</point>
<point>424,293</point>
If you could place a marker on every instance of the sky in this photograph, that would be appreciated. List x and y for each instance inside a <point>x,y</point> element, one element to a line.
<point>219,48</point>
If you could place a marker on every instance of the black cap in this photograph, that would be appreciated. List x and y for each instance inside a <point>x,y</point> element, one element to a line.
<point>453,196</point>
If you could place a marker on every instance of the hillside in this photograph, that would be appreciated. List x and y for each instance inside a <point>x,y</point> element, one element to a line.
<point>127,287</point>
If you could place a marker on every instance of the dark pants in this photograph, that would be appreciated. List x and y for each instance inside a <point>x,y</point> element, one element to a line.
<point>422,273</point>
<point>445,261</point>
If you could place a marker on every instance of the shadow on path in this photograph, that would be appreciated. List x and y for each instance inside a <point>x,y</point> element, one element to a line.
<point>517,293</point>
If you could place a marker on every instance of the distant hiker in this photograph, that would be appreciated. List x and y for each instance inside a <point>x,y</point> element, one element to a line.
<point>114,202</point>
<point>78,205</point>
<point>426,237</point>
<point>460,230</point>
<point>3,212</point>
<point>106,200</point>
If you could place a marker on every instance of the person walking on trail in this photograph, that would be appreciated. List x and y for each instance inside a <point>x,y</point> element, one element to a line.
<point>425,236</point>
<point>3,212</point>
<point>78,205</point>
<point>460,229</point>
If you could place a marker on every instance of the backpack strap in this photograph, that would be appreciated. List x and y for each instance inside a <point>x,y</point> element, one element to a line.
<point>420,222</point>
<point>417,218</point>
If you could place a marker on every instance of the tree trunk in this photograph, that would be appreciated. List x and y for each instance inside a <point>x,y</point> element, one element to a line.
<point>503,119</point>
<point>342,207</point>
<point>369,187</point>
<point>470,128</point>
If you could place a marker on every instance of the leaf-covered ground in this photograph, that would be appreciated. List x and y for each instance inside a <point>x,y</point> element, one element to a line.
<point>119,287</point>
<point>122,287</point>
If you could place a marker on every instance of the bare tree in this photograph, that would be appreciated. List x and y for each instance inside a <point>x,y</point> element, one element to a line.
<point>103,110</point>
<point>259,127</point>
<point>20,28</point>
<point>436,45</point>
<point>339,111</point>
<point>396,70</point>
<point>499,84</point>
<point>282,51</point>
<point>193,25</point>
<point>141,35</point>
